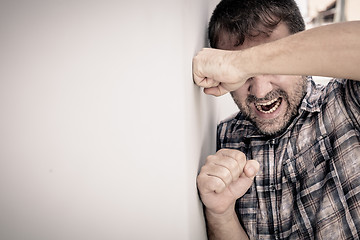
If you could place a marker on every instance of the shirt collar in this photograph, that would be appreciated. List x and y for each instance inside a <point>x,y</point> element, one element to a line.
<point>312,100</point>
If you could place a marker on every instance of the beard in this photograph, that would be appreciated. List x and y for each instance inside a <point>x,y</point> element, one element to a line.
<point>274,126</point>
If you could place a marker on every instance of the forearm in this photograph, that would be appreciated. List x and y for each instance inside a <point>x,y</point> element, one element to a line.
<point>332,51</point>
<point>226,227</point>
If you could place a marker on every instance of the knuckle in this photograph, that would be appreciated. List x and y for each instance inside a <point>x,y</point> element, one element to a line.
<point>240,157</point>
<point>200,181</point>
<point>239,154</point>
<point>232,164</point>
<point>225,175</point>
<point>211,159</point>
<point>223,150</point>
<point>203,170</point>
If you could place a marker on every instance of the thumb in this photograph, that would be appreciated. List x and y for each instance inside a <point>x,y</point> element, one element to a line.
<point>217,91</point>
<point>251,168</point>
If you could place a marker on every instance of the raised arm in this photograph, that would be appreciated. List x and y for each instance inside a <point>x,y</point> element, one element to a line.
<point>332,50</point>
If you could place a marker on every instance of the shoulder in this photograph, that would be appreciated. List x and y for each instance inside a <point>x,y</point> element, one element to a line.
<point>339,104</point>
<point>234,129</point>
<point>234,122</point>
<point>341,85</point>
<point>228,124</point>
<point>345,90</point>
<point>232,118</point>
<point>319,95</point>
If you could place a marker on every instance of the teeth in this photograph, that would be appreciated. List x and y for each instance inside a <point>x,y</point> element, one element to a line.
<point>266,103</point>
<point>258,106</point>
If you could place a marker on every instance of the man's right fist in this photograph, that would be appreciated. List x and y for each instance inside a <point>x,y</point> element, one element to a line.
<point>225,177</point>
<point>215,70</point>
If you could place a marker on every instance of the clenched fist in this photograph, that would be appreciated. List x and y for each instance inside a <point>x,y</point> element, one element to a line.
<point>225,177</point>
<point>219,71</point>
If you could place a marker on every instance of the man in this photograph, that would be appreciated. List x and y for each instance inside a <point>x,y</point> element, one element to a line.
<point>300,140</point>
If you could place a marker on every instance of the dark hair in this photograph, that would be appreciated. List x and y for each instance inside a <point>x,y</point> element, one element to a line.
<point>247,18</point>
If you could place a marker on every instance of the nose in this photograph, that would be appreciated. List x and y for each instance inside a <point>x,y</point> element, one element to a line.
<point>260,85</point>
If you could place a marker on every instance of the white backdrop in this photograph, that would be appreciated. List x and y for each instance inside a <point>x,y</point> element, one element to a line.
<point>102,131</point>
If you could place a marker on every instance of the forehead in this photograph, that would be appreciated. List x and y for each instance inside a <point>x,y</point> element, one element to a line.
<point>228,42</point>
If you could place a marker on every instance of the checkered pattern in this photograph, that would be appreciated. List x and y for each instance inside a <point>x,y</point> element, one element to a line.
<point>308,186</point>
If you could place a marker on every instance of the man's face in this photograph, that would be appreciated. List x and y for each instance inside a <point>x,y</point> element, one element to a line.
<point>269,101</point>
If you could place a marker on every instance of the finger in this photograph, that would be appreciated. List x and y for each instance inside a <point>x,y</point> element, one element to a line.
<point>217,91</point>
<point>205,82</point>
<point>218,171</point>
<point>208,184</point>
<point>240,187</point>
<point>199,77</point>
<point>208,82</point>
<point>216,162</point>
<point>237,155</point>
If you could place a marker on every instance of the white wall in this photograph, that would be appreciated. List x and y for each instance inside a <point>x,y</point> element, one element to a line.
<point>102,131</point>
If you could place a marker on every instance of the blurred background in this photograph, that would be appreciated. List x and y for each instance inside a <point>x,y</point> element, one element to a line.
<point>322,12</point>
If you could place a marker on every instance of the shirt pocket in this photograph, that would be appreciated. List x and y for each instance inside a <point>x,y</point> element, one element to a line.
<point>304,177</point>
<point>310,165</point>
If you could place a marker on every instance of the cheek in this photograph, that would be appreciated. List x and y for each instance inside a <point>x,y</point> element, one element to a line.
<point>239,97</point>
<point>241,94</point>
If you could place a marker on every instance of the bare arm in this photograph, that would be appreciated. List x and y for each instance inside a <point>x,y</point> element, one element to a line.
<point>332,50</point>
<point>225,226</point>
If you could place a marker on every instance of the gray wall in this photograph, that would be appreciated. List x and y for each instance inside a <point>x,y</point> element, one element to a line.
<point>102,131</point>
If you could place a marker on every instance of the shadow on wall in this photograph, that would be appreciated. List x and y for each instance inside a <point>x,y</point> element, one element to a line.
<point>207,109</point>
<point>200,112</point>
<point>201,117</point>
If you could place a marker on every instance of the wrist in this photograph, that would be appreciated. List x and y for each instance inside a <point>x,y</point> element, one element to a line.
<point>224,226</point>
<point>248,61</point>
<point>223,217</point>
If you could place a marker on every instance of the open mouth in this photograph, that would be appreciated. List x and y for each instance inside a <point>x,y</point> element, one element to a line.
<point>270,106</point>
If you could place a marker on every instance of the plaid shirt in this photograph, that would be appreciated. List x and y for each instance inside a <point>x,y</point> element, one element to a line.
<point>308,186</point>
